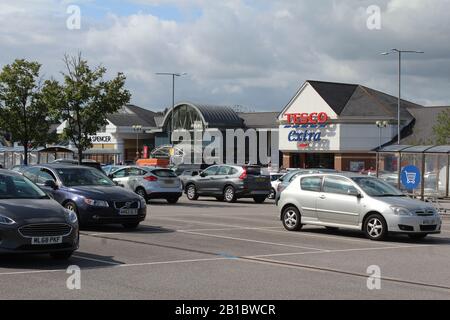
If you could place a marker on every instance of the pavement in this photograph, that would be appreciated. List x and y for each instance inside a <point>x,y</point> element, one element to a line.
<point>214,250</point>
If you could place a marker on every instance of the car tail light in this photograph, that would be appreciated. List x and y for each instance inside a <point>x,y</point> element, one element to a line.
<point>243,175</point>
<point>151,178</point>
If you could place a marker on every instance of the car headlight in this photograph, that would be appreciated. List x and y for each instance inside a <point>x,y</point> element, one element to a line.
<point>143,202</point>
<point>400,211</point>
<point>71,216</point>
<point>6,221</point>
<point>96,203</point>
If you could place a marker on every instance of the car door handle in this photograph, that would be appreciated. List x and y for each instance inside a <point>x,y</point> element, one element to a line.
<point>322,197</point>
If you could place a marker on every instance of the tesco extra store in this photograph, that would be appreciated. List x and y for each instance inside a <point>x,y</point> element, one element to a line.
<point>334,126</point>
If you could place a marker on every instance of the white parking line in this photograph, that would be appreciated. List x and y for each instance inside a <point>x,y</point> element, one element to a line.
<point>251,240</point>
<point>113,265</point>
<point>226,229</point>
<point>97,260</point>
<point>337,250</point>
<point>268,229</point>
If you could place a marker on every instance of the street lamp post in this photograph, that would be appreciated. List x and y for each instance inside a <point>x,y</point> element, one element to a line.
<point>137,129</point>
<point>400,52</point>
<point>173,75</point>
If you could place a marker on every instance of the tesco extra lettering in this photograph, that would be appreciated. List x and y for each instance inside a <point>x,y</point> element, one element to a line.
<point>306,127</point>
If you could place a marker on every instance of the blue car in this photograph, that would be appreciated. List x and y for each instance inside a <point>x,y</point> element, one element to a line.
<point>90,194</point>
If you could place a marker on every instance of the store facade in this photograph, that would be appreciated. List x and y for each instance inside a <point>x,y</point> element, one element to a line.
<point>334,126</point>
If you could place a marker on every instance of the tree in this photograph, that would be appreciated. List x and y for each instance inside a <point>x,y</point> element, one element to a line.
<point>23,111</point>
<point>442,128</point>
<point>85,99</point>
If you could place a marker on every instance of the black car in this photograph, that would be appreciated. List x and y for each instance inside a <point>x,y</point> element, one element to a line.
<point>229,183</point>
<point>32,222</point>
<point>90,194</point>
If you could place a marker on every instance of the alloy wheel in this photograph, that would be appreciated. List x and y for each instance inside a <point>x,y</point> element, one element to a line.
<point>290,218</point>
<point>374,227</point>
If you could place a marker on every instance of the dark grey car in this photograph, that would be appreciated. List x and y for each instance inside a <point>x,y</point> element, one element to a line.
<point>32,222</point>
<point>227,182</point>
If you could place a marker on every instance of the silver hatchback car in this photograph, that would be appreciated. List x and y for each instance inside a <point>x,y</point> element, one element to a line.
<point>353,201</point>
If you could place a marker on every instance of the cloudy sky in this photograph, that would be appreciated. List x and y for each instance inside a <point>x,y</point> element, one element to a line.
<point>254,53</point>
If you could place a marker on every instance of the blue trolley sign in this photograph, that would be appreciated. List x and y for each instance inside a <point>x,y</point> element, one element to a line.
<point>410,177</point>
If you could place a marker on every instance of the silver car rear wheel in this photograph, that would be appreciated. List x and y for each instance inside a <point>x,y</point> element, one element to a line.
<point>291,219</point>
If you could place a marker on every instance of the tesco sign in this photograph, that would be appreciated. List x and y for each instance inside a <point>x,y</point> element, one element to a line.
<point>307,118</point>
<point>306,127</point>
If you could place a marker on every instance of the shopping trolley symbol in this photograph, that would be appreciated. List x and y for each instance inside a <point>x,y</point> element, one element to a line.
<point>410,177</point>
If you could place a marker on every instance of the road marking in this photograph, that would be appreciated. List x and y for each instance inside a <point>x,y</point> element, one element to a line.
<point>114,265</point>
<point>97,260</point>
<point>337,250</point>
<point>251,240</point>
<point>226,229</point>
<point>268,229</point>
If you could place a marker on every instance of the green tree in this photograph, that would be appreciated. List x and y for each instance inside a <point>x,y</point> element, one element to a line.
<point>23,111</point>
<point>84,100</point>
<point>442,128</point>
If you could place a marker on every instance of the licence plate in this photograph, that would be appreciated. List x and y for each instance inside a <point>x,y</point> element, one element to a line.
<point>169,181</point>
<point>46,240</point>
<point>128,212</point>
<point>428,222</point>
<point>260,180</point>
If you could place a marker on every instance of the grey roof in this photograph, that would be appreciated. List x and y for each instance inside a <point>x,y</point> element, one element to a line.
<point>259,119</point>
<point>425,118</point>
<point>336,95</point>
<point>220,116</point>
<point>131,115</point>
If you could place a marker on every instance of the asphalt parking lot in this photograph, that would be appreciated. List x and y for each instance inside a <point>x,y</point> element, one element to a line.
<point>213,250</point>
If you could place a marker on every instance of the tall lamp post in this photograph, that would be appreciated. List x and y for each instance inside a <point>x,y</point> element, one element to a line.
<point>400,52</point>
<point>137,129</point>
<point>173,75</point>
<point>380,125</point>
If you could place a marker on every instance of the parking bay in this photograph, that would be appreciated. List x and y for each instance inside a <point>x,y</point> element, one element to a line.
<point>213,250</point>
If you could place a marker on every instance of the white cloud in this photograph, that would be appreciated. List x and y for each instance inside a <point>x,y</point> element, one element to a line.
<point>242,52</point>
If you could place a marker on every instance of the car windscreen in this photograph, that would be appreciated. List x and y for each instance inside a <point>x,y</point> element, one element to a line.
<point>72,177</point>
<point>377,188</point>
<point>18,187</point>
<point>164,173</point>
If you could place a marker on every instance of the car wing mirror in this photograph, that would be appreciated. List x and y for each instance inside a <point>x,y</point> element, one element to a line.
<point>202,174</point>
<point>355,193</point>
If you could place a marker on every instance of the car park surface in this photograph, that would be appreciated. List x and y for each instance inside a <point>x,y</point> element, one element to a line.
<point>217,250</point>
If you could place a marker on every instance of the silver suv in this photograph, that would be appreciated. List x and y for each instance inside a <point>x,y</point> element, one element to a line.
<point>353,201</point>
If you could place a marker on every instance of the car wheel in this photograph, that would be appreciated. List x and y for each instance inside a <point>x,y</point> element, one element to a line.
<point>172,200</point>
<point>417,236</point>
<point>61,255</point>
<point>142,193</point>
<point>191,192</point>
<point>272,194</point>
<point>259,199</point>
<point>229,194</point>
<point>292,219</point>
<point>131,226</point>
<point>375,227</point>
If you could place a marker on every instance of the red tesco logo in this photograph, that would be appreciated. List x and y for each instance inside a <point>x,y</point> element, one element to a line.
<point>307,118</point>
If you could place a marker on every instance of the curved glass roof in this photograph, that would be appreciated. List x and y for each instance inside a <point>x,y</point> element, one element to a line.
<point>416,149</point>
